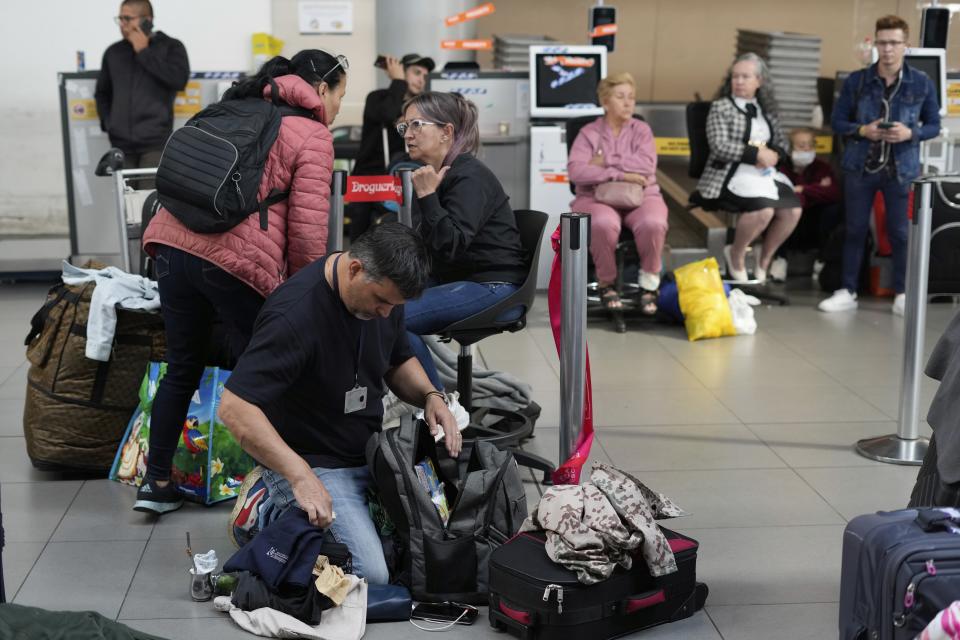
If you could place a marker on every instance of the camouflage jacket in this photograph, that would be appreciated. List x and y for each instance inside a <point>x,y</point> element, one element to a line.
<point>593,527</point>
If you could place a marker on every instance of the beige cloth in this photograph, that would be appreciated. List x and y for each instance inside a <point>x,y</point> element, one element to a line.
<point>331,580</point>
<point>345,622</point>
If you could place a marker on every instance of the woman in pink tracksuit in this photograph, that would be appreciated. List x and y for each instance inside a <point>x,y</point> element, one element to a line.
<point>228,275</point>
<point>618,147</point>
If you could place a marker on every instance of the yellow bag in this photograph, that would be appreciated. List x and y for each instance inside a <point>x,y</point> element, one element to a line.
<point>706,313</point>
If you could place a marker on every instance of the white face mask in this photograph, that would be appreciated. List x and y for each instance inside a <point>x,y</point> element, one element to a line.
<point>803,158</point>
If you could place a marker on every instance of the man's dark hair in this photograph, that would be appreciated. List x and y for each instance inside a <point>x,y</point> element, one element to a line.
<point>395,252</point>
<point>143,6</point>
<point>893,22</point>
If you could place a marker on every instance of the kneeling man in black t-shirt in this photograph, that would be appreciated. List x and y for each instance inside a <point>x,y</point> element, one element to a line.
<point>307,393</point>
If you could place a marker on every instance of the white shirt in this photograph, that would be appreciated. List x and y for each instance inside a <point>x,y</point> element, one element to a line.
<point>749,181</point>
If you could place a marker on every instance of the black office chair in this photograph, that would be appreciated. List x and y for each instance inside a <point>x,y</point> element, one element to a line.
<point>503,428</point>
<point>696,115</point>
<point>625,252</point>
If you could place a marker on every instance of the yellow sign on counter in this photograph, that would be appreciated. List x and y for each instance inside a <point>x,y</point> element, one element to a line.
<point>187,102</point>
<point>83,109</point>
<point>673,147</point>
<point>681,146</point>
<point>953,98</point>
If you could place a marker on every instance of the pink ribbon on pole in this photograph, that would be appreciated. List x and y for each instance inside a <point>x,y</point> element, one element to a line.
<point>569,471</point>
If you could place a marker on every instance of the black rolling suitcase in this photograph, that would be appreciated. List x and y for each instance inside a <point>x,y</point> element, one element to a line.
<point>533,597</point>
<point>900,568</point>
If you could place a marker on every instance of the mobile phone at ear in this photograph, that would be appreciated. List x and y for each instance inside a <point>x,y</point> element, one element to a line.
<point>146,26</point>
<point>885,125</point>
<point>381,62</point>
<point>445,612</point>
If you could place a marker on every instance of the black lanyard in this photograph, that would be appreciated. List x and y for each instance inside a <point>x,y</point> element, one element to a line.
<point>336,289</point>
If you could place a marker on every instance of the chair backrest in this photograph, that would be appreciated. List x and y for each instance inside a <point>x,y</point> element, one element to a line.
<point>697,113</point>
<point>531,225</point>
<point>573,130</point>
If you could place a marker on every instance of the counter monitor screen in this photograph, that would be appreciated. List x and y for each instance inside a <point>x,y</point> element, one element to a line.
<point>564,81</point>
<point>932,63</point>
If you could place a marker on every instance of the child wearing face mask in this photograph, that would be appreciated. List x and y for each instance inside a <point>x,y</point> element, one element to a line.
<point>816,185</point>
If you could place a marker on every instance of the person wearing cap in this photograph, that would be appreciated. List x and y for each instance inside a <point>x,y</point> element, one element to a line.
<point>408,78</point>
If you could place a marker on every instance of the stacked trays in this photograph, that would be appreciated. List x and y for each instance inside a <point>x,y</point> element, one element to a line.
<point>512,52</point>
<point>794,60</point>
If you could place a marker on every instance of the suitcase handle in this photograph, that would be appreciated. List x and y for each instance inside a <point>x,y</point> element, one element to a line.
<point>644,601</point>
<point>523,617</point>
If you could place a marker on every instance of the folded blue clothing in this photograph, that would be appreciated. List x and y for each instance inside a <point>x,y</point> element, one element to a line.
<point>284,553</point>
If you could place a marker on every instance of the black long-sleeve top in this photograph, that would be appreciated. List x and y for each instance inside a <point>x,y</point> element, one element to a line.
<point>469,226</point>
<point>381,109</point>
<point>135,92</point>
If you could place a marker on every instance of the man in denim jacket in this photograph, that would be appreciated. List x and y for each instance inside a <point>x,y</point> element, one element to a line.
<point>883,113</point>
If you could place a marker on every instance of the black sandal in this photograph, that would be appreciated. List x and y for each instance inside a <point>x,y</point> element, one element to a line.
<point>648,302</point>
<point>610,299</point>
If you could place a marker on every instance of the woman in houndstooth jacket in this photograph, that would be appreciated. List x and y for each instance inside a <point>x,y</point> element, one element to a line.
<point>746,143</point>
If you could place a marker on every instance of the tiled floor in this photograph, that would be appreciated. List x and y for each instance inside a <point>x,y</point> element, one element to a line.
<point>752,435</point>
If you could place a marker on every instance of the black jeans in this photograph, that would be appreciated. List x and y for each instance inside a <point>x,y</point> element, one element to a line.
<point>193,294</point>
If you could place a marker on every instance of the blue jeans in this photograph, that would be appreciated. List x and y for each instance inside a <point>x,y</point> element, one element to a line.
<point>859,191</point>
<point>352,526</point>
<point>193,293</point>
<point>445,304</point>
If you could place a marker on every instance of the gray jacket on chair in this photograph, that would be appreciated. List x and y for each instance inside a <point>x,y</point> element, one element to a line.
<point>729,133</point>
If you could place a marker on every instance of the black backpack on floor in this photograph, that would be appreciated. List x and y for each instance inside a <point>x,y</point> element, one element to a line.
<point>210,170</point>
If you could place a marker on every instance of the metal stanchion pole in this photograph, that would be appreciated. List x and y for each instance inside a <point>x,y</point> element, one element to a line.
<point>335,223</point>
<point>406,209</point>
<point>906,446</point>
<point>574,245</point>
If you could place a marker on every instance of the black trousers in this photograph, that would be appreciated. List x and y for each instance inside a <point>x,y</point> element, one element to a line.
<point>929,490</point>
<point>194,294</point>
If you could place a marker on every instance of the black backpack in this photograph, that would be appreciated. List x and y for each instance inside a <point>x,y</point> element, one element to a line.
<point>210,170</point>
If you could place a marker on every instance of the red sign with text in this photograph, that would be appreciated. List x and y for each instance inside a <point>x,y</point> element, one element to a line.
<point>470,14</point>
<point>473,45</point>
<point>603,30</point>
<point>373,189</point>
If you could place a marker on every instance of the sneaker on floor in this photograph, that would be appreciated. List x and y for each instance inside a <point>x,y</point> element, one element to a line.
<point>817,268</point>
<point>899,304</point>
<point>152,498</point>
<point>841,300</point>
<point>778,270</point>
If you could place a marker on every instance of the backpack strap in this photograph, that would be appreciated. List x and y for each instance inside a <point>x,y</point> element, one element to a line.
<point>287,110</point>
<point>275,196</point>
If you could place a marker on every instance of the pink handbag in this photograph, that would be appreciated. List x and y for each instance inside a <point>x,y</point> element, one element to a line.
<point>619,194</point>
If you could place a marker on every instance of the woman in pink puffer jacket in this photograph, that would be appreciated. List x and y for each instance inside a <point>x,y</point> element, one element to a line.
<point>228,275</point>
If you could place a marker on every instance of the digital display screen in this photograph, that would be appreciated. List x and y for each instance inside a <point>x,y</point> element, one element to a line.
<point>930,65</point>
<point>567,79</point>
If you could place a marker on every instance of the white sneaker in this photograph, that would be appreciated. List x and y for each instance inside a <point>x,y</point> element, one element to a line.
<point>841,300</point>
<point>899,304</point>
<point>778,270</point>
<point>760,274</point>
<point>817,268</point>
<point>648,281</point>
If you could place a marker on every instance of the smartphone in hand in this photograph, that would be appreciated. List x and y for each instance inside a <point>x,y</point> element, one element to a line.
<point>885,125</point>
<point>380,62</point>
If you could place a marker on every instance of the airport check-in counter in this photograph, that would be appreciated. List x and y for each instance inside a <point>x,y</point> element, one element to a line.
<point>503,105</point>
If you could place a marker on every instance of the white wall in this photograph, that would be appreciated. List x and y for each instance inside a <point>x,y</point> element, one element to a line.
<point>38,39</point>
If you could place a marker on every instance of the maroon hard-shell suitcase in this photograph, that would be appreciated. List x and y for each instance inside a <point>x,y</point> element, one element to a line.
<point>538,599</point>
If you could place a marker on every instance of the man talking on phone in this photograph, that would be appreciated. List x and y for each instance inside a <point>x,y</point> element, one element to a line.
<point>883,113</point>
<point>139,79</point>
<point>408,78</point>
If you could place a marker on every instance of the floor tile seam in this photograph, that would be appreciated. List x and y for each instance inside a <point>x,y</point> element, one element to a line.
<point>759,437</point>
<point>133,576</point>
<point>47,542</point>
<point>767,604</point>
<point>820,495</point>
<point>713,622</point>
